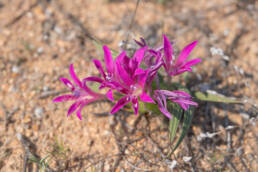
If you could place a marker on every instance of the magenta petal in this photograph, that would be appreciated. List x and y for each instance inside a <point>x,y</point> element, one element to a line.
<point>179,71</point>
<point>142,78</point>
<point>124,76</point>
<point>146,98</point>
<point>185,53</point>
<point>108,60</point>
<point>138,56</point>
<point>78,112</point>
<point>135,104</point>
<point>168,51</point>
<point>123,101</point>
<point>64,98</point>
<point>68,83</point>
<point>120,57</point>
<point>74,77</point>
<point>109,95</point>
<point>73,107</point>
<point>192,62</point>
<point>91,79</point>
<point>139,71</point>
<point>99,67</point>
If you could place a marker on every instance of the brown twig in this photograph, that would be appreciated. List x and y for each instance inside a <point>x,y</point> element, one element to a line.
<point>131,25</point>
<point>19,17</point>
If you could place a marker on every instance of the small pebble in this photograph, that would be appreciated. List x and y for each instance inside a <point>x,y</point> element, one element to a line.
<point>245,115</point>
<point>226,32</point>
<point>173,164</point>
<point>15,69</point>
<point>38,112</point>
<point>187,158</point>
<point>40,50</point>
<point>58,30</point>
<point>239,151</point>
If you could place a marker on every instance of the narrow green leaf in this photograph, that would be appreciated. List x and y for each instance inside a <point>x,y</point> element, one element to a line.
<point>32,158</point>
<point>143,107</point>
<point>174,122</point>
<point>214,97</point>
<point>186,124</point>
<point>188,115</point>
<point>44,158</point>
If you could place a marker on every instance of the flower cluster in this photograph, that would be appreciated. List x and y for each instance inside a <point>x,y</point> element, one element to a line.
<point>132,78</point>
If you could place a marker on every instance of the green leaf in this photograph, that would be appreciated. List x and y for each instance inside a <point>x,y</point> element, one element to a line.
<point>32,158</point>
<point>174,121</point>
<point>44,158</point>
<point>215,97</point>
<point>186,124</point>
<point>94,86</point>
<point>143,107</point>
<point>153,108</point>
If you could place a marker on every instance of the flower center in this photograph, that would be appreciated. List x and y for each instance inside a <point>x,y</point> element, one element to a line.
<point>82,94</point>
<point>109,77</point>
<point>136,90</point>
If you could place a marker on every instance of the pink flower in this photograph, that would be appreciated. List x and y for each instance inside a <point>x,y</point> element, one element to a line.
<point>81,94</point>
<point>131,81</point>
<point>179,65</point>
<point>180,97</point>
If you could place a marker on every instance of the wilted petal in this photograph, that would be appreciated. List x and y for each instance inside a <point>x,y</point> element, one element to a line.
<point>73,107</point>
<point>64,98</point>
<point>181,93</point>
<point>146,98</point>
<point>182,105</point>
<point>185,104</point>
<point>108,60</point>
<point>123,101</point>
<point>167,93</point>
<point>68,83</point>
<point>74,77</point>
<point>99,67</point>
<point>162,104</point>
<point>185,53</point>
<point>164,111</point>
<point>142,43</point>
<point>185,101</point>
<point>135,104</point>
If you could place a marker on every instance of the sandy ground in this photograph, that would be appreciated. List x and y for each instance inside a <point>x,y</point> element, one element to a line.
<point>40,39</point>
